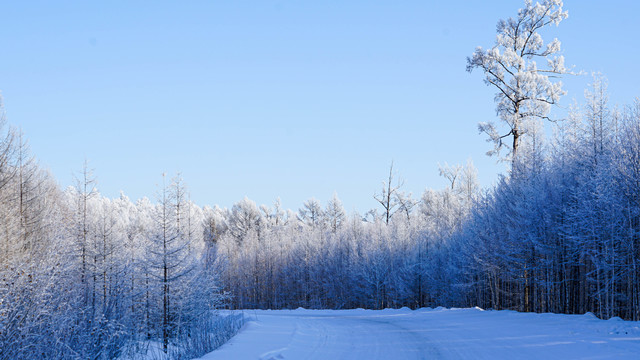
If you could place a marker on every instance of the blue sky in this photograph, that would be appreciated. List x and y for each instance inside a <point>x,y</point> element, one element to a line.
<point>290,99</point>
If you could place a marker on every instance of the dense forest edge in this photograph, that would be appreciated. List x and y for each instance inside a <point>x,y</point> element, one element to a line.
<point>86,276</point>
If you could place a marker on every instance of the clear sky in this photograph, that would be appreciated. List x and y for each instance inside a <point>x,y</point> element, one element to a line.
<point>267,99</point>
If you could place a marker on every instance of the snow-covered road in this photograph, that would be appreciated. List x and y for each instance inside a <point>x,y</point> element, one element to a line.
<point>429,334</point>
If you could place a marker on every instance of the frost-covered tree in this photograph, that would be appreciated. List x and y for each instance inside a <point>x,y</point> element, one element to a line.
<point>468,185</point>
<point>334,213</point>
<point>525,88</point>
<point>311,213</point>
<point>85,191</point>
<point>214,228</point>
<point>245,217</point>
<point>450,173</point>
<point>172,258</point>
<point>598,121</point>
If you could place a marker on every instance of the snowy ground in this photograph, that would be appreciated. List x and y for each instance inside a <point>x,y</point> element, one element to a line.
<point>429,334</point>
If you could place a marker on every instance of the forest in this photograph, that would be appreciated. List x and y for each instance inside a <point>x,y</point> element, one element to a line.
<point>82,274</point>
<point>86,276</point>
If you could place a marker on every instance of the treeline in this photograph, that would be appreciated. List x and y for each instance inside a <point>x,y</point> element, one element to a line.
<point>559,234</point>
<point>320,257</point>
<point>86,277</point>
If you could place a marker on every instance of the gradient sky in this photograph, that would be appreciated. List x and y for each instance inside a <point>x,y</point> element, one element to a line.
<point>289,99</point>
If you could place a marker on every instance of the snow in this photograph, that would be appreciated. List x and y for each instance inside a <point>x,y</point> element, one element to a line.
<point>428,334</point>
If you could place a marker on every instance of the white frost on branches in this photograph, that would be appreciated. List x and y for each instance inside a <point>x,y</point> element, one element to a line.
<point>525,90</point>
